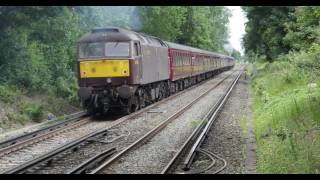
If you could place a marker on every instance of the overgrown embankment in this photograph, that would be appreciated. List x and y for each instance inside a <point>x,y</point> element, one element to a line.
<point>287,112</point>
<point>19,107</point>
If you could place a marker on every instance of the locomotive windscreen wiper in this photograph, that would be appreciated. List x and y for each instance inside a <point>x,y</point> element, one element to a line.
<point>116,44</point>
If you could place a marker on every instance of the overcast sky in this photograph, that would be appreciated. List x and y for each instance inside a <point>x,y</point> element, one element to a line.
<point>236,25</point>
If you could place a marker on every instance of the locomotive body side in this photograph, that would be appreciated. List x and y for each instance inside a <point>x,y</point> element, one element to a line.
<point>154,65</point>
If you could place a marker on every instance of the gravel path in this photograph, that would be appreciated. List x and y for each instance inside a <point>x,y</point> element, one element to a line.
<point>251,159</point>
<point>153,156</point>
<point>225,138</point>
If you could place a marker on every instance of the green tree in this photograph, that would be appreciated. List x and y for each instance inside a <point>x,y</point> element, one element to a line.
<point>38,45</point>
<point>206,27</point>
<point>265,30</point>
<point>236,54</point>
<point>162,21</point>
<point>305,31</point>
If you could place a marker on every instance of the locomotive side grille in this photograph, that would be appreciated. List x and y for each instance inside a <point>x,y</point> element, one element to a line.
<point>104,68</point>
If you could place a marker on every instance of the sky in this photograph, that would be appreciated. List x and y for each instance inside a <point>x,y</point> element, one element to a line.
<point>237,28</point>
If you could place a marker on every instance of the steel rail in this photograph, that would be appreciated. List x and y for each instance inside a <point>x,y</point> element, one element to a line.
<point>155,130</point>
<point>53,155</point>
<point>68,119</point>
<point>201,138</point>
<point>41,137</point>
<point>93,162</point>
<point>200,132</point>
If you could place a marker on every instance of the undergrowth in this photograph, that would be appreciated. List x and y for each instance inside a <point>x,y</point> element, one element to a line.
<point>287,113</point>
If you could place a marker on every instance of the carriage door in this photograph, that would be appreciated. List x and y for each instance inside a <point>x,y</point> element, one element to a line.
<point>193,63</point>
<point>137,65</point>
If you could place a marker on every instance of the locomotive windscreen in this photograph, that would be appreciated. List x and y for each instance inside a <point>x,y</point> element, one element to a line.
<point>92,50</point>
<point>102,49</point>
<point>117,49</point>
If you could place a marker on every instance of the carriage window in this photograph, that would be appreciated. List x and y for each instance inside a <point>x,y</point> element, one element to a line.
<point>183,59</point>
<point>186,59</point>
<point>178,58</point>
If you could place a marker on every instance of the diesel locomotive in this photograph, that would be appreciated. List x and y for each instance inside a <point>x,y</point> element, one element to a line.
<point>123,69</point>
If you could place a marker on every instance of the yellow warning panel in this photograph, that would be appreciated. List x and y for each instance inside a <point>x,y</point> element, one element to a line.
<point>104,68</point>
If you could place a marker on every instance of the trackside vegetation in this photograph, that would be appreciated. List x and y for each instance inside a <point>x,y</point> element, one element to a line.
<point>286,84</point>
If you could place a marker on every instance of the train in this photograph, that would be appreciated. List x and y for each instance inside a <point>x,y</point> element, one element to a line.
<point>126,70</point>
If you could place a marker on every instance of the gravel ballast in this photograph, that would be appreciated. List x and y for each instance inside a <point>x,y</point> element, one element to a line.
<point>153,156</point>
<point>225,138</point>
<point>137,126</point>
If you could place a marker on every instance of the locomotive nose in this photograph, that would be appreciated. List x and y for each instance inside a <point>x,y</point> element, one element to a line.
<point>104,68</point>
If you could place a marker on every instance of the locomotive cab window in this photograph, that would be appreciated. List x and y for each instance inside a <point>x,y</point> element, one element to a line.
<point>91,50</point>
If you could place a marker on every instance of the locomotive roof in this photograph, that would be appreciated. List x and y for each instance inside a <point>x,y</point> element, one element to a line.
<point>107,34</point>
<point>119,34</point>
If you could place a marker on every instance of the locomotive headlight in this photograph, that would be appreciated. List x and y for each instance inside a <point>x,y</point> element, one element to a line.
<point>108,80</point>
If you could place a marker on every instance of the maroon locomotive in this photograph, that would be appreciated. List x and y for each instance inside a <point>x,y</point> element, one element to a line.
<point>123,69</point>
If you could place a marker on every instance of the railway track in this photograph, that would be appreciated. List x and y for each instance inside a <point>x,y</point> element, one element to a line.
<point>187,152</point>
<point>19,142</point>
<point>54,161</point>
<point>153,132</point>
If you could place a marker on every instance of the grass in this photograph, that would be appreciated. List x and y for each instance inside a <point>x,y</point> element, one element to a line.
<point>244,125</point>
<point>195,123</point>
<point>286,118</point>
<point>34,111</point>
<point>8,94</point>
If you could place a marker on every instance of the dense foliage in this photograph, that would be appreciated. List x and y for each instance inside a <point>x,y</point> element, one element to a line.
<point>37,47</point>
<point>274,31</point>
<point>265,30</point>
<point>202,27</point>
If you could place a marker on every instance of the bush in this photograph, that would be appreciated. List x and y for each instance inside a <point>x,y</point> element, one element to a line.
<point>8,94</point>
<point>16,117</point>
<point>34,111</point>
<point>67,88</point>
